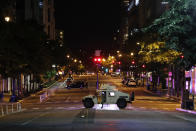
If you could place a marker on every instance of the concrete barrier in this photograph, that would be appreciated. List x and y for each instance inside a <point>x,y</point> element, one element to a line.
<point>8,108</point>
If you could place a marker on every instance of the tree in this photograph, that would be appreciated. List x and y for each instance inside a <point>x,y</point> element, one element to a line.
<point>157,57</point>
<point>177,28</point>
<point>22,50</point>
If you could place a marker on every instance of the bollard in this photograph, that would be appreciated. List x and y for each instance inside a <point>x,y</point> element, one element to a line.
<point>20,107</point>
<point>7,112</point>
<point>17,106</point>
<point>2,112</point>
<point>12,108</point>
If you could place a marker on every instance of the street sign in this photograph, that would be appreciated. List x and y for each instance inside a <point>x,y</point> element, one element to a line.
<point>97,52</point>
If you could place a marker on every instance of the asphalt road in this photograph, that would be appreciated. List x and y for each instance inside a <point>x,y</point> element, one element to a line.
<point>64,111</point>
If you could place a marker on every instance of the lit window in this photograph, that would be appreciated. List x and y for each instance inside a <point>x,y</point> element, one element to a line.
<point>137,2</point>
<point>40,4</point>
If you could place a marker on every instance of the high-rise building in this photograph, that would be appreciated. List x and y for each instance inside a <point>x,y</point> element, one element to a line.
<point>60,37</point>
<point>7,11</point>
<point>139,14</point>
<point>142,12</point>
<point>41,11</point>
<point>123,31</point>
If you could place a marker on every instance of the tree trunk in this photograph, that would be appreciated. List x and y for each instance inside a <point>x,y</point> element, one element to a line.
<point>182,84</point>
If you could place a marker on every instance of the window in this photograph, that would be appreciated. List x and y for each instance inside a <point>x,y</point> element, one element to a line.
<point>49,15</point>
<point>111,94</point>
<point>41,3</point>
<point>49,31</point>
<point>137,2</point>
<point>49,2</point>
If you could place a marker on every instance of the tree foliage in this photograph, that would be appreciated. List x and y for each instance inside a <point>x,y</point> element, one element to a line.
<point>156,53</point>
<point>177,28</point>
<point>24,49</point>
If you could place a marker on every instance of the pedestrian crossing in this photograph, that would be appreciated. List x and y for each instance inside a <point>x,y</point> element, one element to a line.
<point>98,107</point>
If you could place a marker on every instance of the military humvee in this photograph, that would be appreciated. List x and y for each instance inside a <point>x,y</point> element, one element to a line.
<point>108,94</point>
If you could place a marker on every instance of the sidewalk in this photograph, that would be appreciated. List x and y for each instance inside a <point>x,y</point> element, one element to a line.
<point>161,92</point>
<point>6,97</point>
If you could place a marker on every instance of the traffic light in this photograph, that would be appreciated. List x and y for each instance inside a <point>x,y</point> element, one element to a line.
<point>133,62</point>
<point>119,62</point>
<point>143,66</point>
<point>182,56</point>
<point>97,60</point>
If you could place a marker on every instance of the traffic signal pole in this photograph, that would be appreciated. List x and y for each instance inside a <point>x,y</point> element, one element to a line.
<point>97,77</point>
<point>97,60</point>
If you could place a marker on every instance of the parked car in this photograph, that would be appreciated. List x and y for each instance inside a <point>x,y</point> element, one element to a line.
<point>78,84</point>
<point>115,74</point>
<point>131,83</point>
<point>68,81</point>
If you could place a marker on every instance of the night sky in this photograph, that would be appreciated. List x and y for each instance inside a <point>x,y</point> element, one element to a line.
<point>88,23</point>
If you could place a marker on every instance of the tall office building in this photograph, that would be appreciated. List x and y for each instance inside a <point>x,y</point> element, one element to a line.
<point>60,37</point>
<point>7,11</point>
<point>41,11</point>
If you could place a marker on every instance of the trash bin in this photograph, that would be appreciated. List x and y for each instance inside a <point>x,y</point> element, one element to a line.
<point>1,96</point>
<point>190,105</point>
<point>148,86</point>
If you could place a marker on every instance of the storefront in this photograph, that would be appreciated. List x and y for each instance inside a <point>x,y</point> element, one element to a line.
<point>191,80</point>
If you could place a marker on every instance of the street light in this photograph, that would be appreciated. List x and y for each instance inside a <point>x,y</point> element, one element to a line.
<point>120,55</point>
<point>7,19</point>
<point>132,53</point>
<point>138,43</point>
<point>118,51</point>
<point>68,56</point>
<point>75,60</point>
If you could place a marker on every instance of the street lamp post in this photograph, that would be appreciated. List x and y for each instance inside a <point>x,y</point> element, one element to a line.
<point>7,19</point>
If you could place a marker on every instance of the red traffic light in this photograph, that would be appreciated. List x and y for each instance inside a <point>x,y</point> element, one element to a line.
<point>119,62</point>
<point>133,62</point>
<point>143,66</point>
<point>182,56</point>
<point>97,60</point>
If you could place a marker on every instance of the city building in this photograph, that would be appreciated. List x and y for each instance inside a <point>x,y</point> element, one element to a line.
<point>7,11</point>
<point>60,37</point>
<point>123,31</point>
<point>41,11</point>
<point>138,14</point>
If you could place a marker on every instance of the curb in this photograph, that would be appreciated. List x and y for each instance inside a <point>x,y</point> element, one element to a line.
<point>187,111</point>
<point>145,90</point>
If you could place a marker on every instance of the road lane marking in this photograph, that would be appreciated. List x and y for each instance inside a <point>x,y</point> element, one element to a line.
<point>68,99</point>
<point>48,108</point>
<point>29,121</point>
<point>35,108</point>
<point>60,108</point>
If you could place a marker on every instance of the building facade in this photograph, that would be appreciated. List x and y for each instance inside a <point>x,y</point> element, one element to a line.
<point>138,14</point>
<point>60,37</point>
<point>42,11</point>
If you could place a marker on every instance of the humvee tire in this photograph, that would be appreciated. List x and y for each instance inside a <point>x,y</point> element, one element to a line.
<point>88,103</point>
<point>121,103</point>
